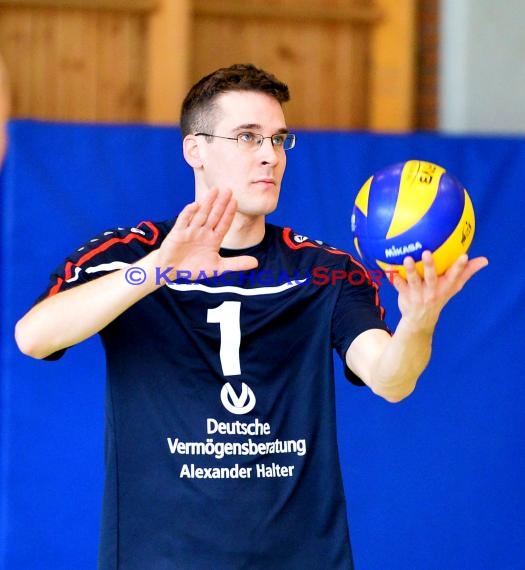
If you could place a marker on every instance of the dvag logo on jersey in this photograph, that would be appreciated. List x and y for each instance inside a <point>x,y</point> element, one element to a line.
<point>238,404</point>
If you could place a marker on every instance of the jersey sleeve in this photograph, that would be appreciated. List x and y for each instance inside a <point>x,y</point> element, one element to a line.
<point>357,309</point>
<point>109,251</point>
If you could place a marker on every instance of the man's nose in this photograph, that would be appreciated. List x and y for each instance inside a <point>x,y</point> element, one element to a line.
<point>268,153</point>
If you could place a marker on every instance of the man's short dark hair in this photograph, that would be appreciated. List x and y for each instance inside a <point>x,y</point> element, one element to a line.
<point>198,112</point>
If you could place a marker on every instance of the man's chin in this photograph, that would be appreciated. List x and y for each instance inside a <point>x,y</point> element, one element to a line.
<point>263,208</point>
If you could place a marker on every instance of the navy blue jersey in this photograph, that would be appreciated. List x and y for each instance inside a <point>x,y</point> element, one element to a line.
<point>220,417</point>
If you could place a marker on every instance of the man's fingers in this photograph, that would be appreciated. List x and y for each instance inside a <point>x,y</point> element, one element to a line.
<point>225,216</point>
<point>464,268</point>
<point>459,265</point>
<point>396,280</point>
<point>429,269</point>
<point>239,263</point>
<point>200,218</point>
<point>221,206</point>
<point>476,264</point>
<point>412,276</point>
<point>208,212</point>
<point>186,215</point>
<point>398,283</point>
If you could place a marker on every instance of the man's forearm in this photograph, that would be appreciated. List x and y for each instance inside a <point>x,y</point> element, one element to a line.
<point>402,361</point>
<point>72,316</point>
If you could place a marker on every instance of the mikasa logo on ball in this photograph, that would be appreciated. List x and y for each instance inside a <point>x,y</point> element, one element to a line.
<point>404,250</point>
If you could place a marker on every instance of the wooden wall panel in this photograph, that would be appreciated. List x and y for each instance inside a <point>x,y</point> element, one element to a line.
<point>15,46</point>
<point>322,57</point>
<point>121,81</point>
<point>392,67</point>
<point>350,64</point>
<point>75,65</point>
<point>73,37</point>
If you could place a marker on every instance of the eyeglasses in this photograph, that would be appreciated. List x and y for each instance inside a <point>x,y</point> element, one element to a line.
<point>253,141</point>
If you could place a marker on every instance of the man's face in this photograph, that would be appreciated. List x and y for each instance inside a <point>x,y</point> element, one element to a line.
<point>253,175</point>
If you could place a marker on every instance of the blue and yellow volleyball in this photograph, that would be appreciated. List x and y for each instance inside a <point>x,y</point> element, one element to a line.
<point>407,208</point>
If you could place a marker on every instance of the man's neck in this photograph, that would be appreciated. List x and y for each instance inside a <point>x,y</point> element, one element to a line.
<point>245,231</point>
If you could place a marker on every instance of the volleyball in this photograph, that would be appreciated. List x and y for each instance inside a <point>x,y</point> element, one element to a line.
<point>407,208</point>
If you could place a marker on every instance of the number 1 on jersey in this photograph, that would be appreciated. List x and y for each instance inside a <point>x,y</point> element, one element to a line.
<point>228,316</point>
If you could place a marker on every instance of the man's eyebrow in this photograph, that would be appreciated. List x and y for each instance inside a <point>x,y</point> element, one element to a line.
<point>257,127</point>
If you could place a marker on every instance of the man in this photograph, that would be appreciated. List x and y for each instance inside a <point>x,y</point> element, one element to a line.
<point>221,440</point>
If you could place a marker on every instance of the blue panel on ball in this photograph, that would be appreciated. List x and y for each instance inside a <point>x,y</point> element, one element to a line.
<point>372,249</point>
<point>382,200</point>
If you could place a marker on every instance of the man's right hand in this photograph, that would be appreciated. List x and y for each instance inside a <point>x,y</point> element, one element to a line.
<point>192,246</point>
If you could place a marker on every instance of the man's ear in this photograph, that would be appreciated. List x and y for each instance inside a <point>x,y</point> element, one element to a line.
<point>191,151</point>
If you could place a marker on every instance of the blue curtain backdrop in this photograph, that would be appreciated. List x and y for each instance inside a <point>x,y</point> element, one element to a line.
<point>437,481</point>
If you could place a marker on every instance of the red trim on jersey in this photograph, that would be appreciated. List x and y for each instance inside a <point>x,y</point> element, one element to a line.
<point>308,243</point>
<point>56,288</point>
<point>68,268</point>
<point>288,241</point>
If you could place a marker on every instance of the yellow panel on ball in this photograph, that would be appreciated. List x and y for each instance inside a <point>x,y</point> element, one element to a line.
<point>361,200</point>
<point>418,188</point>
